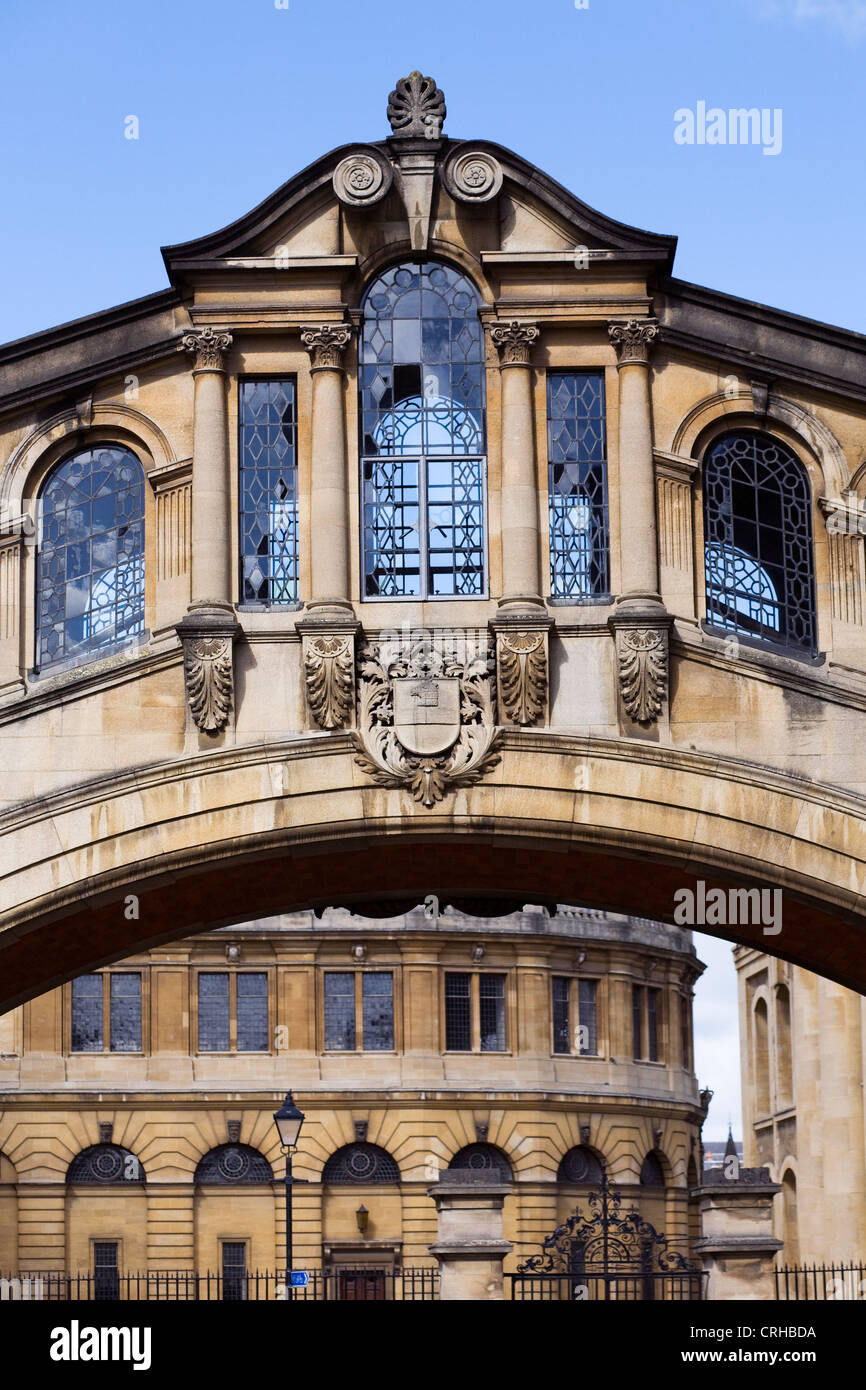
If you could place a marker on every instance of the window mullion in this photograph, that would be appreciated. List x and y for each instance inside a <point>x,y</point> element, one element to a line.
<point>423,527</point>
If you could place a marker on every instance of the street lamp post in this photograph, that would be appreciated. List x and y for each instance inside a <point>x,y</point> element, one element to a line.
<point>288,1120</point>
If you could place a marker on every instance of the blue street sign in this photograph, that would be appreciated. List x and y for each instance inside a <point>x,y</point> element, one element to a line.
<point>299,1278</point>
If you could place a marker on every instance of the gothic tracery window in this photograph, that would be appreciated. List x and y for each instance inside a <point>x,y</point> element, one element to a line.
<point>758,541</point>
<point>90,560</point>
<point>422,434</point>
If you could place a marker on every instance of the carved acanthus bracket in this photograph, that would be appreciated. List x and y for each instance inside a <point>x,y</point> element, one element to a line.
<point>426,719</point>
<point>522,668</point>
<point>326,344</point>
<point>642,659</point>
<point>329,672</point>
<point>209,345</point>
<point>513,342</point>
<point>208,635</point>
<point>633,340</point>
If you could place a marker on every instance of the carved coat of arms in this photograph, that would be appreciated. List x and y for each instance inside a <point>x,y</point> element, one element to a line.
<point>426,720</point>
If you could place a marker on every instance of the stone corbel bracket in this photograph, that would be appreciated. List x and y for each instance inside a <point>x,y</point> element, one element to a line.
<point>642,640</point>
<point>329,671</point>
<point>207,635</point>
<point>522,668</point>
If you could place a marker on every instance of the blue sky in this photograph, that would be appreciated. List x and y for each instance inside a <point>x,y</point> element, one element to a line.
<point>234,96</point>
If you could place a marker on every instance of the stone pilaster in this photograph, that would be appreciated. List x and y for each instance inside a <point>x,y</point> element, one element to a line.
<point>329,518</point>
<point>737,1245</point>
<point>11,561</point>
<point>470,1248</point>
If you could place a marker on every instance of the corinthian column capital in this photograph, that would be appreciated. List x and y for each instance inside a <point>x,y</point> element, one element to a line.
<point>209,345</point>
<point>326,344</point>
<point>633,340</point>
<point>513,341</point>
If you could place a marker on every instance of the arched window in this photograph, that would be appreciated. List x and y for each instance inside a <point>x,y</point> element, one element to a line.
<point>105,1163</point>
<point>363,1163</point>
<point>784,1059</point>
<point>422,434</point>
<point>483,1158</point>
<point>580,1165</point>
<point>652,1174</point>
<point>791,1252</point>
<point>90,561</point>
<point>761,1058</point>
<point>758,541</point>
<point>234,1163</point>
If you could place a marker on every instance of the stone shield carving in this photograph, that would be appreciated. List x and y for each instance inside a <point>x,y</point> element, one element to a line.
<point>363,178</point>
<point>642,655</point>
<point>426,721</point>
<point>522,660</point>
<point>472,176</point>
<point>329,668</point>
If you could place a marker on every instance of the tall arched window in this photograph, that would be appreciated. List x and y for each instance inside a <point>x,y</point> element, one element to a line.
<point>652,1173</point>
<point>422,434</point>
<point>758,541</point>
<point>761,1058</point>
<point>90,562</point>
<point>784,1060</point>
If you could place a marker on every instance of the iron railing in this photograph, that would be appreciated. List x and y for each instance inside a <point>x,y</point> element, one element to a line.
<point>407,1285</point>
<point>676,1287</point>
<point>810,1283</point>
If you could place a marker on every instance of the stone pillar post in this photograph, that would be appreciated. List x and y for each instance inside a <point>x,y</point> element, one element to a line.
<point>641,624</point>
<point>737,1245</point>
<point>470,1248</point>
<point>209,629</point>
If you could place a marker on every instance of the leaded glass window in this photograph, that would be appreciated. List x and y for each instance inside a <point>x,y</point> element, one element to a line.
<point>87,1013</point>
<point>458,1017</point>
<point>125,1011</point>
<point>234,1262</point>
<point>213,1012</point>
<point>483,1158</point>
<point>105,1163</point>
<point>652,1001</point>
<point>378,1011</point>
<point>561,1015</point>
<point>361,1163</point>
<point>491,998</point>
<point>233,1163</point>
<point>268,492</point>
<point>90,560</point>
<point>577,485</point>
<point>252,1017</point>
<point>339,1011</point>
<point>758,541</point>
<point>587,991</point>
<point>580,1166</point>
<point>422,434</point>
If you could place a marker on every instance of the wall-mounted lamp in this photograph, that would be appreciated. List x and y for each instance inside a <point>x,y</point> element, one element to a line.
<point>362,1216</point>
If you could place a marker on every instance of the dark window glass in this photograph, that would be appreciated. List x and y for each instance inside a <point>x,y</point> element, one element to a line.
<point>252,1012</point>
<point>234,1254</point>
<point>378,1005</point>
<point>652,1024</point>
<point>125,999</point>
<point>339,1012</point>
<point>422,428</point>
<point>561,1015</point>
<point>587,991</point>
<point>652,1174</point>
<point>106,1283</point>
<point>213,1013</point>
<point>90,561</point>
<point>87,1013</point>
<point>577,484</point>
<point>492,1004</point>
<point>758,541</point>
<point>636,1017</point>
<point>458,1026</point>
<point>268,492</point>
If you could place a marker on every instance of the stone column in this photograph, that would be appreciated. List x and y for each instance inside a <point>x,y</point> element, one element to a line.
<point>209,629</point>
<point>470,1248</point>
<point>329,626</point>
<point>640,624</point>
<point>737,1245</point>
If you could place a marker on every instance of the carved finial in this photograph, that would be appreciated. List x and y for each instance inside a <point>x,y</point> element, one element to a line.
<point>633,340</point>
<point>514,342</point>
<point>416,108</point>
<point>209,345</point>
<point>327,344</point>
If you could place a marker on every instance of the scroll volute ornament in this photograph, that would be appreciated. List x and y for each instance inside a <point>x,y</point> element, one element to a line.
<point>326,344</point>
<point>633,340</point>
<point>514,341</point>
<point>209,346</point>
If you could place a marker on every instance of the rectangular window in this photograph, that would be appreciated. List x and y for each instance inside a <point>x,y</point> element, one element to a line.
<point>87,1013</point>
<point>637,1019</point>
<point>252,1012</point>
<point>491,1000</point>
<point>587,991</point>
<point>268,492</point>
<point>577,483</point>
<point>125,1012</point>
<point>561,1014</point>
<point>652,1025</point>
<point>377,1011</point>
<point>339,1011</point>
<point>685,1033</point>
<point>106,1281</point>
<point>458,1018</point>
<point>234,1263</point>
<point>213,1013</point>
<point>423,527</point>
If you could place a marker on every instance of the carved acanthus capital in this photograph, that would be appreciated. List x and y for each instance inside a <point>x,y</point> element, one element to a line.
<point>416,108</point>
<point>207,636</point>
<point>522,669</point>
<point>642,658</point>
<point>209,345</point>
<point>513,341</point>
<point>633,340</point>
<point>326,344</point>
<point>329,671</point>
